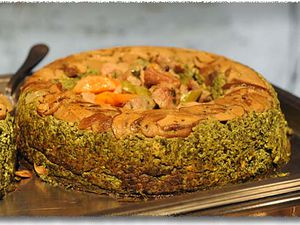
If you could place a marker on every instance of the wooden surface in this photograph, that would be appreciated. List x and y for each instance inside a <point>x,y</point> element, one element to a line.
<point>263,36</point>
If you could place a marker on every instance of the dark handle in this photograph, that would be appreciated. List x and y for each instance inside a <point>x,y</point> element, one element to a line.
<point>36,54</point>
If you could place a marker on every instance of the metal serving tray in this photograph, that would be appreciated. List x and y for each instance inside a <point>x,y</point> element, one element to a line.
<point>36,198</point>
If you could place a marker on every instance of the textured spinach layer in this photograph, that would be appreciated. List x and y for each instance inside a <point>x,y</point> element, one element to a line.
<point>7,153</point>
<point>213,154</point>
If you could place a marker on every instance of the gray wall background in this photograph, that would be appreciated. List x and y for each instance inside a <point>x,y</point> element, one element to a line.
<point>263,36</point>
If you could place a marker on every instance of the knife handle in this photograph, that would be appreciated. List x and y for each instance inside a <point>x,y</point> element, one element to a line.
<point>35,56</point>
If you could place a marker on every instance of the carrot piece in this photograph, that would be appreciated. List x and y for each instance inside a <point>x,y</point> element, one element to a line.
<point>112,98</point>
<point>96,84</point>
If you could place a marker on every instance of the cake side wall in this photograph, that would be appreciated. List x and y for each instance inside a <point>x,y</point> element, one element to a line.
<point>213,154</point>
<point>7,154</point>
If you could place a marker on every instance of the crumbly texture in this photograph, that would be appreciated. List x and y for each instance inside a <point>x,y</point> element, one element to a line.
<point>192,120</point>
<point>213,154</point>
<point>7,154</point>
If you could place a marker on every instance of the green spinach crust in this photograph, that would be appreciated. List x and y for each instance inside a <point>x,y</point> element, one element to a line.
<point>7,154</point>
<point>214,154</point>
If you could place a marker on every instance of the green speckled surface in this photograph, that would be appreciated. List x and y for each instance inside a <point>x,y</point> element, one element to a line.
<point>213,154</point>
<point>7,154</point>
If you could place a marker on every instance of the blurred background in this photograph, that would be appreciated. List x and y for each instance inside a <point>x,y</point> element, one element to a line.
<point>262,36</point>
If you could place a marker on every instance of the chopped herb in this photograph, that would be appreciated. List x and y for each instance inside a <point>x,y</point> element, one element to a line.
<point>69,83</point>
<point>191,96</point>
<point>217,85</point>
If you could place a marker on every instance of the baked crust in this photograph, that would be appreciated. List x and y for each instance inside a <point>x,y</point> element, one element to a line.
<point>243,90</point>
<point>233,131</point>
<point>7,146</point>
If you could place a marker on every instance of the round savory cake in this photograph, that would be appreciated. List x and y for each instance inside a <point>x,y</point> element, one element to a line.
<point>150,121</point>
<point>7,146</point>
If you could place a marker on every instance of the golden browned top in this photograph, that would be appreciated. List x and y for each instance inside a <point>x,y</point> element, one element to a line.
<point>150,90</point>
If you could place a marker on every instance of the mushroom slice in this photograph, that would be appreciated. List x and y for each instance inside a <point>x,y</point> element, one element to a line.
<point>124,123</point>
<point>97,122</point>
